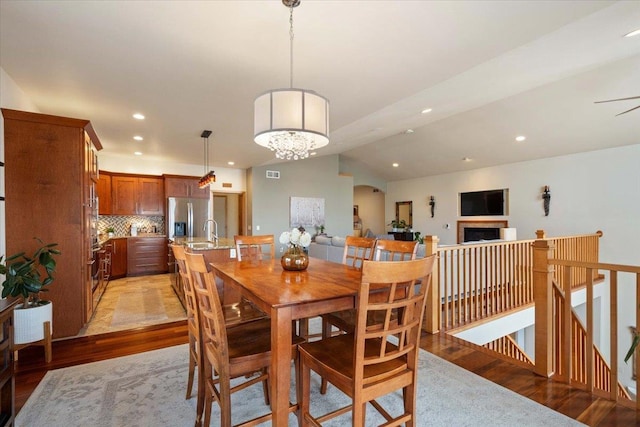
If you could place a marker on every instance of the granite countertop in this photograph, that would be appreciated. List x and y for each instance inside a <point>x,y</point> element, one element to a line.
<point>103,238</point>
<point>200,243</point>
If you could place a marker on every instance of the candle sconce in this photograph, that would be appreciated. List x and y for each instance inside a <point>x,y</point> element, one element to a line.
<point>546,197</point>
<point>432,204</point>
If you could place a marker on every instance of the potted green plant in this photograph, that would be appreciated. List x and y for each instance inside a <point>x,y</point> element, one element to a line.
<point>27,276</point>
<point>398,225</point>
<point>111,231</point>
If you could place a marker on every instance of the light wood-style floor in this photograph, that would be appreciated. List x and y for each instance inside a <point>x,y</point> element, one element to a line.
<point>31,368</point>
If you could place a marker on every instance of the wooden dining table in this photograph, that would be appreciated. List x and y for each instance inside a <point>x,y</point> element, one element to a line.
<point>323,287</point>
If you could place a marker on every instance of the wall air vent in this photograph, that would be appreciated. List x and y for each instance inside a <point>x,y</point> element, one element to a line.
<point>273,174</point>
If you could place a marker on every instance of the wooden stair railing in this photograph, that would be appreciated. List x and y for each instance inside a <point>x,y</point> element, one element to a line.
<point>507,346</point>
<point>578,377</point>
<point>479,281</point>
<point>562,347</point>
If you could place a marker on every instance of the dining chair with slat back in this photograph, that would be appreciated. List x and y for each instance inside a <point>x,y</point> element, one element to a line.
<point>229,353</point>
<point>395,250</point>
<point>345,320</point>
<point>234,314</point>
<point>192,315</point>
<point>379,357</point>
<point>356,250</point>
<point>255,247</point>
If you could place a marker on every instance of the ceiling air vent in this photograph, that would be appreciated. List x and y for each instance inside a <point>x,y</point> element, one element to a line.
<point>273,174</point>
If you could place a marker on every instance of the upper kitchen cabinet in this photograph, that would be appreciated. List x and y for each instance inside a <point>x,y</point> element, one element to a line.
<point>104,194</point>
<point>184,186</point>
<point>50,190</point>
<point>137,195</point>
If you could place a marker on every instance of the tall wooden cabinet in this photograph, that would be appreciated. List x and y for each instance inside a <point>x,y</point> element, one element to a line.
<point>50,179</point>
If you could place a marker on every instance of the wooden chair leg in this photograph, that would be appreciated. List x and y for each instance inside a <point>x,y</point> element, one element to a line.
<point>265,388</point>
<point>296,363</point>
<point>305,378</point>
<point>326,333</point>
<point>192,370</point>
<point>47,342</point>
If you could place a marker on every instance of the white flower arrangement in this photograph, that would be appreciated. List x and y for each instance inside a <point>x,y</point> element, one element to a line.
<point>295,238</point>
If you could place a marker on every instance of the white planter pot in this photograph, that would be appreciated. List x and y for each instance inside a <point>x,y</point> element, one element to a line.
<point>28,323</point>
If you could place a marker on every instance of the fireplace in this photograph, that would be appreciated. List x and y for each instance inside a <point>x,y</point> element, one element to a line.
<point>470,231</point>
<point>471,234</point>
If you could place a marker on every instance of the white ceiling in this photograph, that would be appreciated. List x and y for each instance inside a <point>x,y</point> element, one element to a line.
<point>490,70</point>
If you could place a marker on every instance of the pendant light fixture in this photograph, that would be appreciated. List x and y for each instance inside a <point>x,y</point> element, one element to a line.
<point>292,122</point>
<point>209,175</point>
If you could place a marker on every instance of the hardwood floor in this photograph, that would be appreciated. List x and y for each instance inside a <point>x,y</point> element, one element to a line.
<point>31,368</point>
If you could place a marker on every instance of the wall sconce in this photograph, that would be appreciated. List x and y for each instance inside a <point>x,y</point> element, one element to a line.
<point>432,203</point>
<point>546,197</point>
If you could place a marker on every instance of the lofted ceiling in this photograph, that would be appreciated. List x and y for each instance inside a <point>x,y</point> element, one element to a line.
<point>489,70</point>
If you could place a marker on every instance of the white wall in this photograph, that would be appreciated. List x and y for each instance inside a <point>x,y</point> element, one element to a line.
<point>12,97</point>
<point>598,190</point>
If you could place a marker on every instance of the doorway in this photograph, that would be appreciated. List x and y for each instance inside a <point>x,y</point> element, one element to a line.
<point>227,211</point>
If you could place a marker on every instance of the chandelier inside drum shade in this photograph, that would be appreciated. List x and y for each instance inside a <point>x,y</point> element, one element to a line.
<point>292,122</point>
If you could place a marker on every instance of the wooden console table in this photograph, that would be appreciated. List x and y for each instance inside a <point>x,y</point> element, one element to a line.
<point>7,381</point>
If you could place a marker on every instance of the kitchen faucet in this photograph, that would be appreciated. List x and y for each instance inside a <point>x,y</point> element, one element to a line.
<point>215,229</point>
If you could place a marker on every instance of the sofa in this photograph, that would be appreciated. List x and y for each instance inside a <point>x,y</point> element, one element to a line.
<point>332,248</point>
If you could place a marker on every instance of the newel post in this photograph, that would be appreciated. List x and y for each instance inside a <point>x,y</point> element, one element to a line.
<point>431,323</point>
<point>543,299</point>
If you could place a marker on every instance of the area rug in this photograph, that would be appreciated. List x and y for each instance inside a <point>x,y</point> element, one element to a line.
<point>134,307</point>
<point>148,389</point>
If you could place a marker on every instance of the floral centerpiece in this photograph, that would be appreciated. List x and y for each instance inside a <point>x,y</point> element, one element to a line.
<point>295,258</point>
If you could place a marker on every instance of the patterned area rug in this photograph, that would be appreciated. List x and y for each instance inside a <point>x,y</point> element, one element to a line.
<point>148,389</point>
<point>139,306</point>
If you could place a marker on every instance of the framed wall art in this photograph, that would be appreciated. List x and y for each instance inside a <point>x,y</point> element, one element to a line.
<point>307,212</point>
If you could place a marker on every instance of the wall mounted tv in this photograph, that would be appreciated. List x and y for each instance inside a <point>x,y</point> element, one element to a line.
<point>484,203</point>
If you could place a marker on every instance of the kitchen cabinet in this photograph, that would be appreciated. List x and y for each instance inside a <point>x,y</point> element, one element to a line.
<point>146,255</point>
<point>137,195</point>
<point>118,257</point>
<point>104,194</point>
<point>50,194</point>
<point>184,186</point>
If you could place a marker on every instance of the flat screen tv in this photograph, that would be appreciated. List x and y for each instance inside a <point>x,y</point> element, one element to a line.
<point>483,203</point>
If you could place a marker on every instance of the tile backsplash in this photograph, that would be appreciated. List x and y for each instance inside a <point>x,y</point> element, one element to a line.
<point>122,224</point>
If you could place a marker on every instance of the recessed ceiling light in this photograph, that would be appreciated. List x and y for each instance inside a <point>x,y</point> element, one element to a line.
<point>520,138</point>
<point>426,110</point>
<point>633,33</point>
<point>395,165</point>
<point>466,159</point>
<point>408,131</point>
<point>231,163</point>
<point>138,138</point>
<point>138,153</point>
<point>138,116</point>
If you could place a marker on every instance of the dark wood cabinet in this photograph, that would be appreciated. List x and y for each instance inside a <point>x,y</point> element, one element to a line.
<point>146,255</point>
<point>104,194</point>
<point>7,380</point>
<point>137,195</point>
<point>184,186</point>
<point>50,194</point>
<point>118,257</point>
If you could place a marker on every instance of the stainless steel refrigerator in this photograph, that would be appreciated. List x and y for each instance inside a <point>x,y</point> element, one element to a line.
<point>186,217</point>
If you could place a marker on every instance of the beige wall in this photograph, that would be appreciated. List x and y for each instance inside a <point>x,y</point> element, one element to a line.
<point>371,208</point>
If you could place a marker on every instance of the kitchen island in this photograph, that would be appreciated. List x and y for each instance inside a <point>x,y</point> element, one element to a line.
<point>222,250</point>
